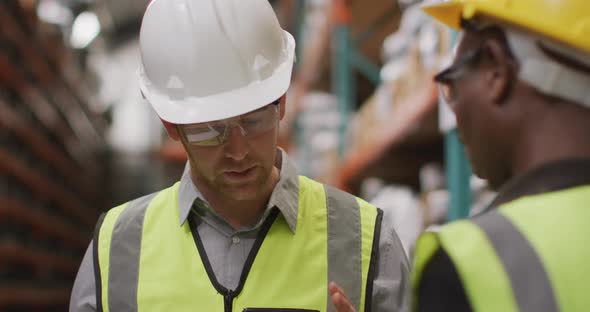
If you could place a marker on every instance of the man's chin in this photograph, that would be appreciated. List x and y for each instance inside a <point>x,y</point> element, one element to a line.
<point>243,192</point>
<point>243,189</point>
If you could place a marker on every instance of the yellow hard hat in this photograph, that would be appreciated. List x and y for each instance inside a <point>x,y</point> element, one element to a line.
<point>565,21</point>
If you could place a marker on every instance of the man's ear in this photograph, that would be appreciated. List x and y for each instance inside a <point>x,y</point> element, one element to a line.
<point>501,71</point>
<point>171,129</point>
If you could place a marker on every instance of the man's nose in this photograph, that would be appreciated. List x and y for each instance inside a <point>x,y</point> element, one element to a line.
<point>236,143</point>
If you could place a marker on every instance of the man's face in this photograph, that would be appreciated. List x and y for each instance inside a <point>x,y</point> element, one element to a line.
<point>472,106</point>
<point>240,168</point>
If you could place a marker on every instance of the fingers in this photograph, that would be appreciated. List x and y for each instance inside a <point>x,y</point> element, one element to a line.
<point>339,298</point>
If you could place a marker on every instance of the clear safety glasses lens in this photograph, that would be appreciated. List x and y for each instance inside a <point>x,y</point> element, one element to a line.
<point>250,124</point>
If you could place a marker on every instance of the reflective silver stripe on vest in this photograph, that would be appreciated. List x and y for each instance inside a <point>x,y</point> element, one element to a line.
<point>530,283</point>
<point>124,256</point>
<point>344,244</point>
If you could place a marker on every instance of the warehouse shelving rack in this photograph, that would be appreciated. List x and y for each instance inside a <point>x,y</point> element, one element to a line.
<point>50,163</point>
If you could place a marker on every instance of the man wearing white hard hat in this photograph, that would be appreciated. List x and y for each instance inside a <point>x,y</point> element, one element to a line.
<point>240,231</point>
<point>520,88</point>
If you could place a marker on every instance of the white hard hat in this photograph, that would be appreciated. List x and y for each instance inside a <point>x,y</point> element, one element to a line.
<point>205,60</point>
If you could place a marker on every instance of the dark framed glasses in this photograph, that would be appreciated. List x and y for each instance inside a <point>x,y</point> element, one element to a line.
<point>214,133</point>
<point>457,70</point>
<point>446,78</point>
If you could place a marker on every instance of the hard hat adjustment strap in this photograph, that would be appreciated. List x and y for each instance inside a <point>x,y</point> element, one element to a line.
<point>545,74</point>
<point>554,79</point>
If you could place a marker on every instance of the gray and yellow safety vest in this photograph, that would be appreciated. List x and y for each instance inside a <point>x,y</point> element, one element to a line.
<point>530,254</point>
<point>146,261</point>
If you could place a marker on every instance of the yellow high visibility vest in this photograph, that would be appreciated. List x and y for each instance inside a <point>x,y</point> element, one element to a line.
<point>147,261</point>
<point>531,254</point>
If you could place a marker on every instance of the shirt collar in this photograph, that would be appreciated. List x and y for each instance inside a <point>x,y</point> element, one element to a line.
<point>285,195</point>
<point>550,177</point>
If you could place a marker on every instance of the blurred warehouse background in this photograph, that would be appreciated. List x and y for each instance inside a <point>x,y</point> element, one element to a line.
<point>77,138</point>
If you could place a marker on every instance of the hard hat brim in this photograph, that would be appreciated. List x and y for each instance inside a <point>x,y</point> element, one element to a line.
<point>451,13</point>
<point>222,105</point>
<point>448,13</point>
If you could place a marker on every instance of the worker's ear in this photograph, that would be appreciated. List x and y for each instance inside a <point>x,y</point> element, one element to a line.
<point>172,130</point>
<point>501,72</point>
<point>282,106</point>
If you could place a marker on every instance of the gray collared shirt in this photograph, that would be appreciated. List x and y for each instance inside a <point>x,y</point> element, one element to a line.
<point>228,248</point>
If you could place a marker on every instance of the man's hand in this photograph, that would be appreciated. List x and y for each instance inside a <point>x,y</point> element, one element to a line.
<point>339,299</point>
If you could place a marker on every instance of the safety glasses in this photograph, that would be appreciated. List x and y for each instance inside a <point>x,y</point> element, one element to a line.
<point>457,70</point>
<point>446,79</point>
<point>250,125</point>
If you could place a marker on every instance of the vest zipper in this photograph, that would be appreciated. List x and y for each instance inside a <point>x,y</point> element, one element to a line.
<point>229,295</point>
<point>228,299</point>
